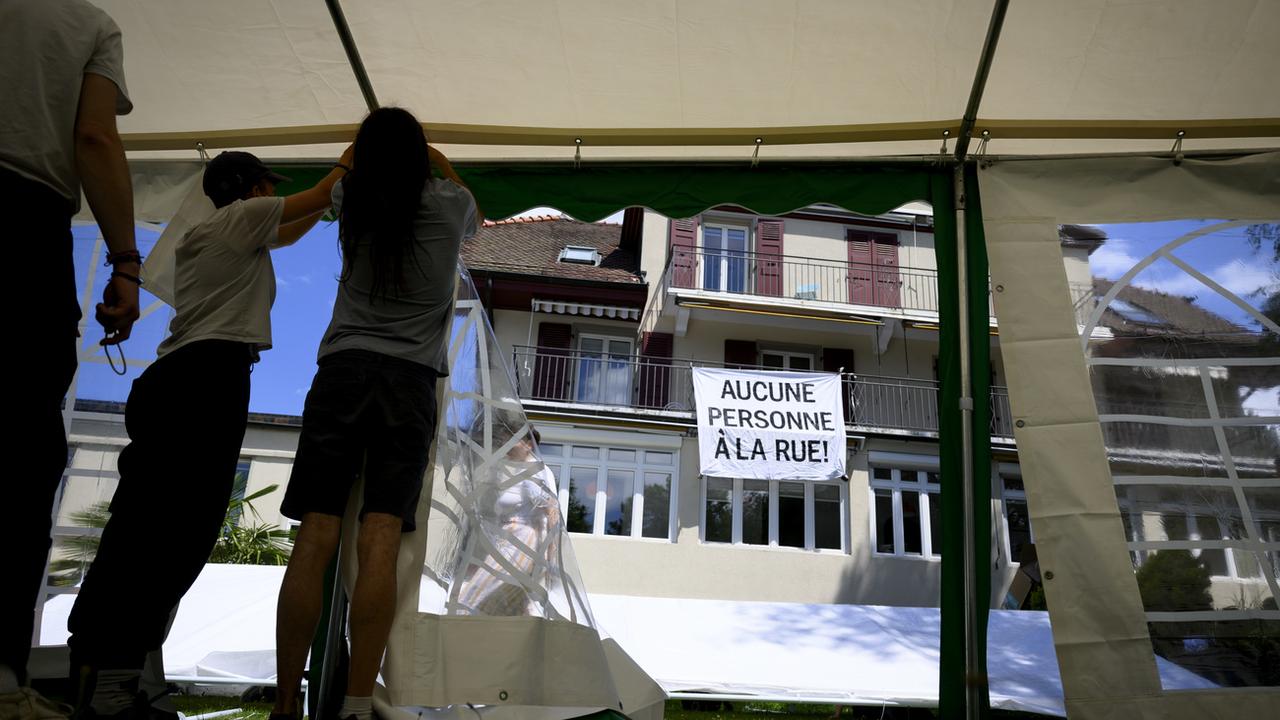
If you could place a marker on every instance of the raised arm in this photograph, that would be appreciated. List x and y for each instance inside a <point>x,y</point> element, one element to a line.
<point>442,163</point>
<point>105,177</point>
<point>315,199</point>
<point>290,233</point>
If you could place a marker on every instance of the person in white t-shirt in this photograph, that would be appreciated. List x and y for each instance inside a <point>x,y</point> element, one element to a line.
<point>61,86</point>
<point>186,418</point>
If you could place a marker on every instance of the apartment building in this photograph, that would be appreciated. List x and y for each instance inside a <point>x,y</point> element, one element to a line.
<point>602,326</point>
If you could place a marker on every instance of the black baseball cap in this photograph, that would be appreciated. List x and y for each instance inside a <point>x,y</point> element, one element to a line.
<point>232,174</point>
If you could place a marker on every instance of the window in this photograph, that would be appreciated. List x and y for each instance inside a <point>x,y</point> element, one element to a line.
<point>775,513</point>
<point>725,259</point>
<point>1189,514</point>
<point>905,512</point>
<point>782,360</point>
<point>579,255</point>
<point>1017,520</point>
<point>604,370</point>
<point>614,490</point>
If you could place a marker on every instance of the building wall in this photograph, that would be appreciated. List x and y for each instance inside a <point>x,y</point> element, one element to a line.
<point>688,567</point>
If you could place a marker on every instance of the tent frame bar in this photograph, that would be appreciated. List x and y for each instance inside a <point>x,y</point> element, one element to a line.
<point>461,134</point>
<point>353,54</point>
<point>980,78</point>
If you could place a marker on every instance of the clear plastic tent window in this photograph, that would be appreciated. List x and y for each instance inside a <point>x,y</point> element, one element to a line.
<point>499,546</point>
<point>1178,324</point>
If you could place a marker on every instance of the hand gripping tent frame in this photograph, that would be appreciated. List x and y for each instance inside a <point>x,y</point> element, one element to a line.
<point>700,82</point>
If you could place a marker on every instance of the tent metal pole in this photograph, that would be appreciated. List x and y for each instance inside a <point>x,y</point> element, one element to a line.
<point>980,79</point>
<point>353,54</point>
<point>972,671</point>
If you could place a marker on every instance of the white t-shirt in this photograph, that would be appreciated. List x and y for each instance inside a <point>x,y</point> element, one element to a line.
<point>49,46</point>
<point>224,283</point>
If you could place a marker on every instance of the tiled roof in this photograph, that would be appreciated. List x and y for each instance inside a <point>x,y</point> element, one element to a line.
<point>531,246</point>
<point>1178,314</point>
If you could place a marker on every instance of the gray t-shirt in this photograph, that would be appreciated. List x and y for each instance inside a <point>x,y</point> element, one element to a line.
<point>49,46</point>
<point>413,323</point>
<point>224,282</point>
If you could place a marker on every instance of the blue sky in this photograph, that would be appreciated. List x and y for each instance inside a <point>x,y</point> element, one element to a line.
<point>1224,256</point>
<point>305,287</point>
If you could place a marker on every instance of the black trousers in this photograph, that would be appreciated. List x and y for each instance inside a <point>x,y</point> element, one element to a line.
<point>41,340</point>
<point>186,419</point>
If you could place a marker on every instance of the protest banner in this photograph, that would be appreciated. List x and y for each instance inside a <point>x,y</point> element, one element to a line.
<point>769,425</point>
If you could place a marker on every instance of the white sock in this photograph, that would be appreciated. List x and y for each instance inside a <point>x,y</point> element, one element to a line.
<point>114,690</point>
<point>360,708</point>
<point>8,680</point>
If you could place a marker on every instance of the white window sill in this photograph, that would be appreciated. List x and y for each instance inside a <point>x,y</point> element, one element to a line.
<point>774,548</point>
<point>904,556</point>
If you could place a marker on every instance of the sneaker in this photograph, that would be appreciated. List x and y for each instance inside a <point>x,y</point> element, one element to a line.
<point>27,704</point>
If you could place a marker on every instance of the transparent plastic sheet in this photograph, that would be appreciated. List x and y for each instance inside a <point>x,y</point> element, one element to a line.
<point>501,547</point>
<point>1178,323</point>
<point>492,617</point>
<point>1044,295</point>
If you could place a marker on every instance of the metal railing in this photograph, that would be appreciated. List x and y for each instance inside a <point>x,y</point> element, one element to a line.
<point>636,382</point>
<point>802,278</point>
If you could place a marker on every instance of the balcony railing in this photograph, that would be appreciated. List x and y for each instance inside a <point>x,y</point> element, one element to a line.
<point>666,384</point>
<point>801,278</point>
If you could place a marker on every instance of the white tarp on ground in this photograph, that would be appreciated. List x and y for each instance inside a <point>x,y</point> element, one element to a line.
<point>854,654</point>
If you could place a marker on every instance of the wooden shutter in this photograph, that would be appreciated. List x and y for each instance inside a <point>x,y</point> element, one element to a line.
<point>655,370</point>
<point>888,279</point>
<point>683,238</point>
<point>739,353</point>
<point>833,359</point>
<point>551,367</point>
<point>769,257</point>
<point>861,270</point>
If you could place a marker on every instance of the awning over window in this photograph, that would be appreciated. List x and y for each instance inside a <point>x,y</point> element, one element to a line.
<point>610,312</point>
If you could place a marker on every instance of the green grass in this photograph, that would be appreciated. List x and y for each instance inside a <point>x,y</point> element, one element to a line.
<point>198,704</point>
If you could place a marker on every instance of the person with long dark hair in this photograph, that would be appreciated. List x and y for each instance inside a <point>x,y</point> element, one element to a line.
<point>372,404</point>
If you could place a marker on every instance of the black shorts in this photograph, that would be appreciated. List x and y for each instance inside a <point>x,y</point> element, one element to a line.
<point>369,409</point>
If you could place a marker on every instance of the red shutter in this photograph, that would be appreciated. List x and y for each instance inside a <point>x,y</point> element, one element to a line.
<point>834,360</point>
<point>738,353</point>
<point>769,257</point>
<point>873,269</point>
<point>655,369</point>
<point>861,287</point>
<point>551,368</point>
<point>684,247</point>
<point>888,279</point>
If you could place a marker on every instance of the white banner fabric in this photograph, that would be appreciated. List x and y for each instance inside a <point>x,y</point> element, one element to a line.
<point>769,425</point>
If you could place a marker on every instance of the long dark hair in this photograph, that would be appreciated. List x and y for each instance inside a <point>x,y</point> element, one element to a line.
<point>381,195</point>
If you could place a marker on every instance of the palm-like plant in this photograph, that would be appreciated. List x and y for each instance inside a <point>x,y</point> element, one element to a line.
<point>255,543</point>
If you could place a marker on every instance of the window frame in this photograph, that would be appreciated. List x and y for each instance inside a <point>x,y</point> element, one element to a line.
<point>1171,509</point>
<point>563,464</point>
<point>787,356</point>
<point>725,225</point>
<point>1020,495</point>
<point>929,493</point>
<point>605,355</point>
<point>810,516</point>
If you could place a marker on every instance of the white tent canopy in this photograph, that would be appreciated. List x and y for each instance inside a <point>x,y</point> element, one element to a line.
<point>699,78</point>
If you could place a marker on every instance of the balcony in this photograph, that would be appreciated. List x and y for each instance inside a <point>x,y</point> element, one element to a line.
<point>806,280</point>
<point>603,382</point>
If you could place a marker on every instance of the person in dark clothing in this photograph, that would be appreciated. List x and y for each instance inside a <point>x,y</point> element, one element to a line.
<point>186,418</point>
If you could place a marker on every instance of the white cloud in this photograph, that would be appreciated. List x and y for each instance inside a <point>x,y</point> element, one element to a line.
<point>1113,259</point>
<point>1240,278</point>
